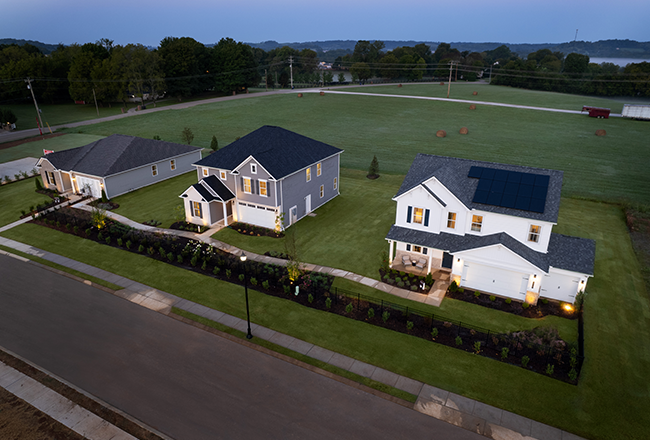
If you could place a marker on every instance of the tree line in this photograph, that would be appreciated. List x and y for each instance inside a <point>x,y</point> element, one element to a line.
<point>183,67</point>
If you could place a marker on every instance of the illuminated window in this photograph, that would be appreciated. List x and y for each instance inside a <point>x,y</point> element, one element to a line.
<point>322,191</point>
<point>263,191</point>
<point>205,172</point>
<point>533,235</point>
<point>451,220</point>
<point>196,209</point>
<point>247,185</point>
<point>154,170</point>
<point>222,174</point>
<point>336,183</point>
<point>417,248</point>
<point>477,223</point>
<point>417,215</point>
<point>50,177</point>
<point>309,174</point>
<point>318,169</point>
<point>172,164</point>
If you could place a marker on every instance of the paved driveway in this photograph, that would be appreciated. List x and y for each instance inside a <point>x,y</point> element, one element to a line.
<point>26,164</point>
<point>180,380</point>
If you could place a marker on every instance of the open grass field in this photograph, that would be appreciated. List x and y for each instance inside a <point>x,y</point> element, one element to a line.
<point>18,196</point>
<point>397,129</point>
<point>506,95</point>
<point>609,403</point>
<point>35,148</point>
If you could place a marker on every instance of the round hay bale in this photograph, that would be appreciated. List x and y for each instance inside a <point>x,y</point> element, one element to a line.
<point>441,133</point>
<point>463,130</point>
<point>299,95</point>
<point>472,107</point>
<point>601,132</point>
<point>322,93</point>
<point>399,85</point>
<point>474,93</point>
<point>441,83</point>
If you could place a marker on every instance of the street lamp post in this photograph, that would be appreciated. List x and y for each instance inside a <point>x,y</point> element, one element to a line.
<point>490,81</point>
<point>249,335</point>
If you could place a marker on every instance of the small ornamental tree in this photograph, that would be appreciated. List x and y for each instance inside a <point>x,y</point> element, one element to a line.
<point>214,144</point>
<point>187,136</point>
<point>374,168</point>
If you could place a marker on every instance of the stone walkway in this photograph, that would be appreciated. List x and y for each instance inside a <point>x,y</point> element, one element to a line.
<point>469,414</point>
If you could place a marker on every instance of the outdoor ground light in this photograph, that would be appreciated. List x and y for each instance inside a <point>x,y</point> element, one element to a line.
<point>249,335</point>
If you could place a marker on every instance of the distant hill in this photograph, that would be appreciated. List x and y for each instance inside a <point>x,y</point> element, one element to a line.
<point>43,47</point>
<point>603,48</point>
<point>334,48</point>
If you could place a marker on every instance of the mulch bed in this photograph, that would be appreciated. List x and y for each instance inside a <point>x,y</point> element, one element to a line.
<point>539,311</point>
<point>33,139</point>
<point>106,206</point>
<point>184,226</point>
<point>257,231</point>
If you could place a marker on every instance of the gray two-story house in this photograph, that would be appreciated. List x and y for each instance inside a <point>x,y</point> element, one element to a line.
<point>271,177</point>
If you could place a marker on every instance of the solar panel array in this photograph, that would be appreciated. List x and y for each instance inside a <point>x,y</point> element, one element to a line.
<point>510,189</point>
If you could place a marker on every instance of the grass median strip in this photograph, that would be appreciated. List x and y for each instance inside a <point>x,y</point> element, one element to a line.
<point>400,394</point>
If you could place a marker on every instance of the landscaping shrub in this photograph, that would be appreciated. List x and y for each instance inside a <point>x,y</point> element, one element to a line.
<point>141,248</point>
<point>100,236</point>
<point>434,333</point>
<point>204,266</point>
<point>549,369</point>
<point>179,259</point>
<point>573,374</point>
<point>119,241</point>
<point>265,284</point>
<point>151,250</point>
<point>349,308</point>
<point>310,298</point>
<point>242,277</point>
<point>524,361</point>
<point>254,281</point>
<point>371,313</point>
<point>216,269</point>
<point>170,257</point>
<point>525,305</point>
<point>409,325</point>
<point>493,298</point>
<point>504,353</point>
<point>508,300</point>
<point>459,340</point>
<point>477,347</point>
<point>108,240</point>
<point>287,290</point>
<point>477,294</point>
<point>385,316</point>
<point>328,302</point>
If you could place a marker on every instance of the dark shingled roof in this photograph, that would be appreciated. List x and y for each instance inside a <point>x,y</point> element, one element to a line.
<point>452,173</point>
<point>281,152</point>
<point>115,154</point>
<point>564,252</point>
<point>223,194</point>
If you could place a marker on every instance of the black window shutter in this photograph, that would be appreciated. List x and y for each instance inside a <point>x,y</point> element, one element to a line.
<point>426,217</point>
<point>242,183</point>
<point>257,186</point>
<point>408,214</point>
<point>200,210</point>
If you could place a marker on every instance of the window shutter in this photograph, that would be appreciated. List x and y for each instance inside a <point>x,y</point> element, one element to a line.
<point>257,186</point>
<point>426,217</point>
<point>242,183</point>
<point>408,247</point>
<point>408,214</point>
<point>424,251</point>
<point>200,210</point>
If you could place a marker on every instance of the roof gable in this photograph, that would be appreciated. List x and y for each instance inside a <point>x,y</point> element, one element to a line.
<point>453,174</point>
<point>115,154</point>
<point>280,152</point>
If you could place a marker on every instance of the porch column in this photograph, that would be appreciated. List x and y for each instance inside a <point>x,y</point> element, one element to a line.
<point>390,253</point>
<point>430,260</point>
<point>225,213</point>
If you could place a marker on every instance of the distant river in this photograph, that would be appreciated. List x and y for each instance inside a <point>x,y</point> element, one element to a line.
<point>618,61</point>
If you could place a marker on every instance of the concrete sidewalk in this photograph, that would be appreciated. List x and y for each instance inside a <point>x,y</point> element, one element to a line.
<point>67,413</point>
<point>469,414</point>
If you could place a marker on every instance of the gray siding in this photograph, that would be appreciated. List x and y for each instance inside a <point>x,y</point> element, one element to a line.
<point>295,188</point>
<point>137,178</point>
<point>255,197</point>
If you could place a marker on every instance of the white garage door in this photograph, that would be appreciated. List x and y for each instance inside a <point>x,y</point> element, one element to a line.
<point>89,186</point>
<point>560,287</point>
<point>493,280</point>
<point>257,215</point>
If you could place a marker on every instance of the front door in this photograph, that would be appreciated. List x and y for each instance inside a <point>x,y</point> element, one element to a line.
<point>308,204</point>
<point>294,214</point>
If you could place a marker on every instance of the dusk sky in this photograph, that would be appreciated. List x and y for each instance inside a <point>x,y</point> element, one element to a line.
<point>254,21</point>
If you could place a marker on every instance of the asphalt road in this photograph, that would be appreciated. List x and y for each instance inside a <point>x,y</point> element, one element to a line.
<point>185,382</point>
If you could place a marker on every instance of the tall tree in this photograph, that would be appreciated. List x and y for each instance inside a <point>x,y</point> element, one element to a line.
<point>185,64</point>
<point>234,66</point>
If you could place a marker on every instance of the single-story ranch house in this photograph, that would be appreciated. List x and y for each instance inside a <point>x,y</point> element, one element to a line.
<point>116,164</point>
<point>491,225</point>
<point>271,177</point>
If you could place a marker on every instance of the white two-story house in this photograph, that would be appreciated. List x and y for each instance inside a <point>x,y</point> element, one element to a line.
<point>491,225</point>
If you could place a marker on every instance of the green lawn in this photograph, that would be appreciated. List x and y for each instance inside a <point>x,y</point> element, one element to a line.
<point>347,233</point>
<point>506,95</point>
<point>397,129</point>
<point>16,197</point>
<point>609,402</point>
<point>155,202</point>
<point>35,148</point>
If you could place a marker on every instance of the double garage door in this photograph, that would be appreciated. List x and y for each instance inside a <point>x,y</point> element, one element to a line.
<point>493,280</point>
<point>89,186</point>
<point>257,215</point>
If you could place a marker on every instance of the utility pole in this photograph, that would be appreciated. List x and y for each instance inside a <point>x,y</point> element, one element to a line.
<point>451,69</point>
<point>291,70</point>
<point>494,64</point>
<point>266,84</point>
<point>38,112</point>
<point>95,96</point>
